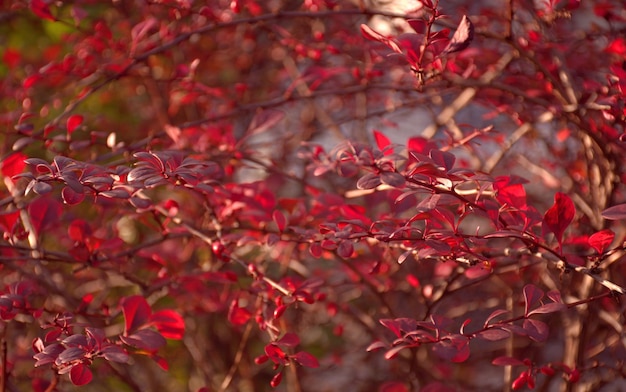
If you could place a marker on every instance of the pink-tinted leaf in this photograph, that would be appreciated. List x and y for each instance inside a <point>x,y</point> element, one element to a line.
<point>462,37</point>
<point>136,311</point>
<point>80,375</point>
<point>555,296</point>
<point>391,353</point>
<point>548,308</point>
<point>375,36</point>
<point>169,323</point>
<point>306,359</point>
<point>399,326</point>
<point>560,215</point>
<point>493,334</point>
<point>265,120</point>
<point>536,330</point>
<point>507,361</point>
<point>617,212</point>
<point>376,346</point>
<point>73,122</point>
<point>601,240</point>
<point>532,295</point>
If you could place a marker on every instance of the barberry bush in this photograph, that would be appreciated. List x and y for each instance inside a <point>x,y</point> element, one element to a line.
<point>312,195</point>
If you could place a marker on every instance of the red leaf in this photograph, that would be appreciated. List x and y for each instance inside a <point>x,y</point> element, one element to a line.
<point>601,240</point>
<point>41,9</point>
<point>462,37</point>
<point>560,215</point>
<point>510,191</point>
<point>80,375</point>
<point>136,313</point>
<point>13,164</point>
<point>79,230</point>
<point>43,212</point>
<point>169,323</point>
<point>617,212</point>
<point>290,340</point>
<point>279,219</point>
<point>532,295</point>
<point>306,359</point>
<point>236,315</point>
<point>74,122</point>
<point>382,142</point>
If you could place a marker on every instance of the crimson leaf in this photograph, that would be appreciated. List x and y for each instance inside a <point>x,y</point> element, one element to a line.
<point>560,215</point>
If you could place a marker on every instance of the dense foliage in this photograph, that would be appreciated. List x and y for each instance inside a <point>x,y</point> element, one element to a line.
<point>312,195</point>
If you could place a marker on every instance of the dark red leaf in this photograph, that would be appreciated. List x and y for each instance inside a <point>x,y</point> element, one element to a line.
<point>369,181</point>
<point>136,311</point>
<point>560,215</point>
<point>44,212</point>
<point>115,354</point>
<point>393,179</point>
<point>536,330</point>
<point>306,359</point>
<point>80,375</point>
<point>454,348</point>
<point>462,37</point>
<point>145,339</point>
<point>532,295</point>
<point>71,197</point>
<point>345,249</point>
